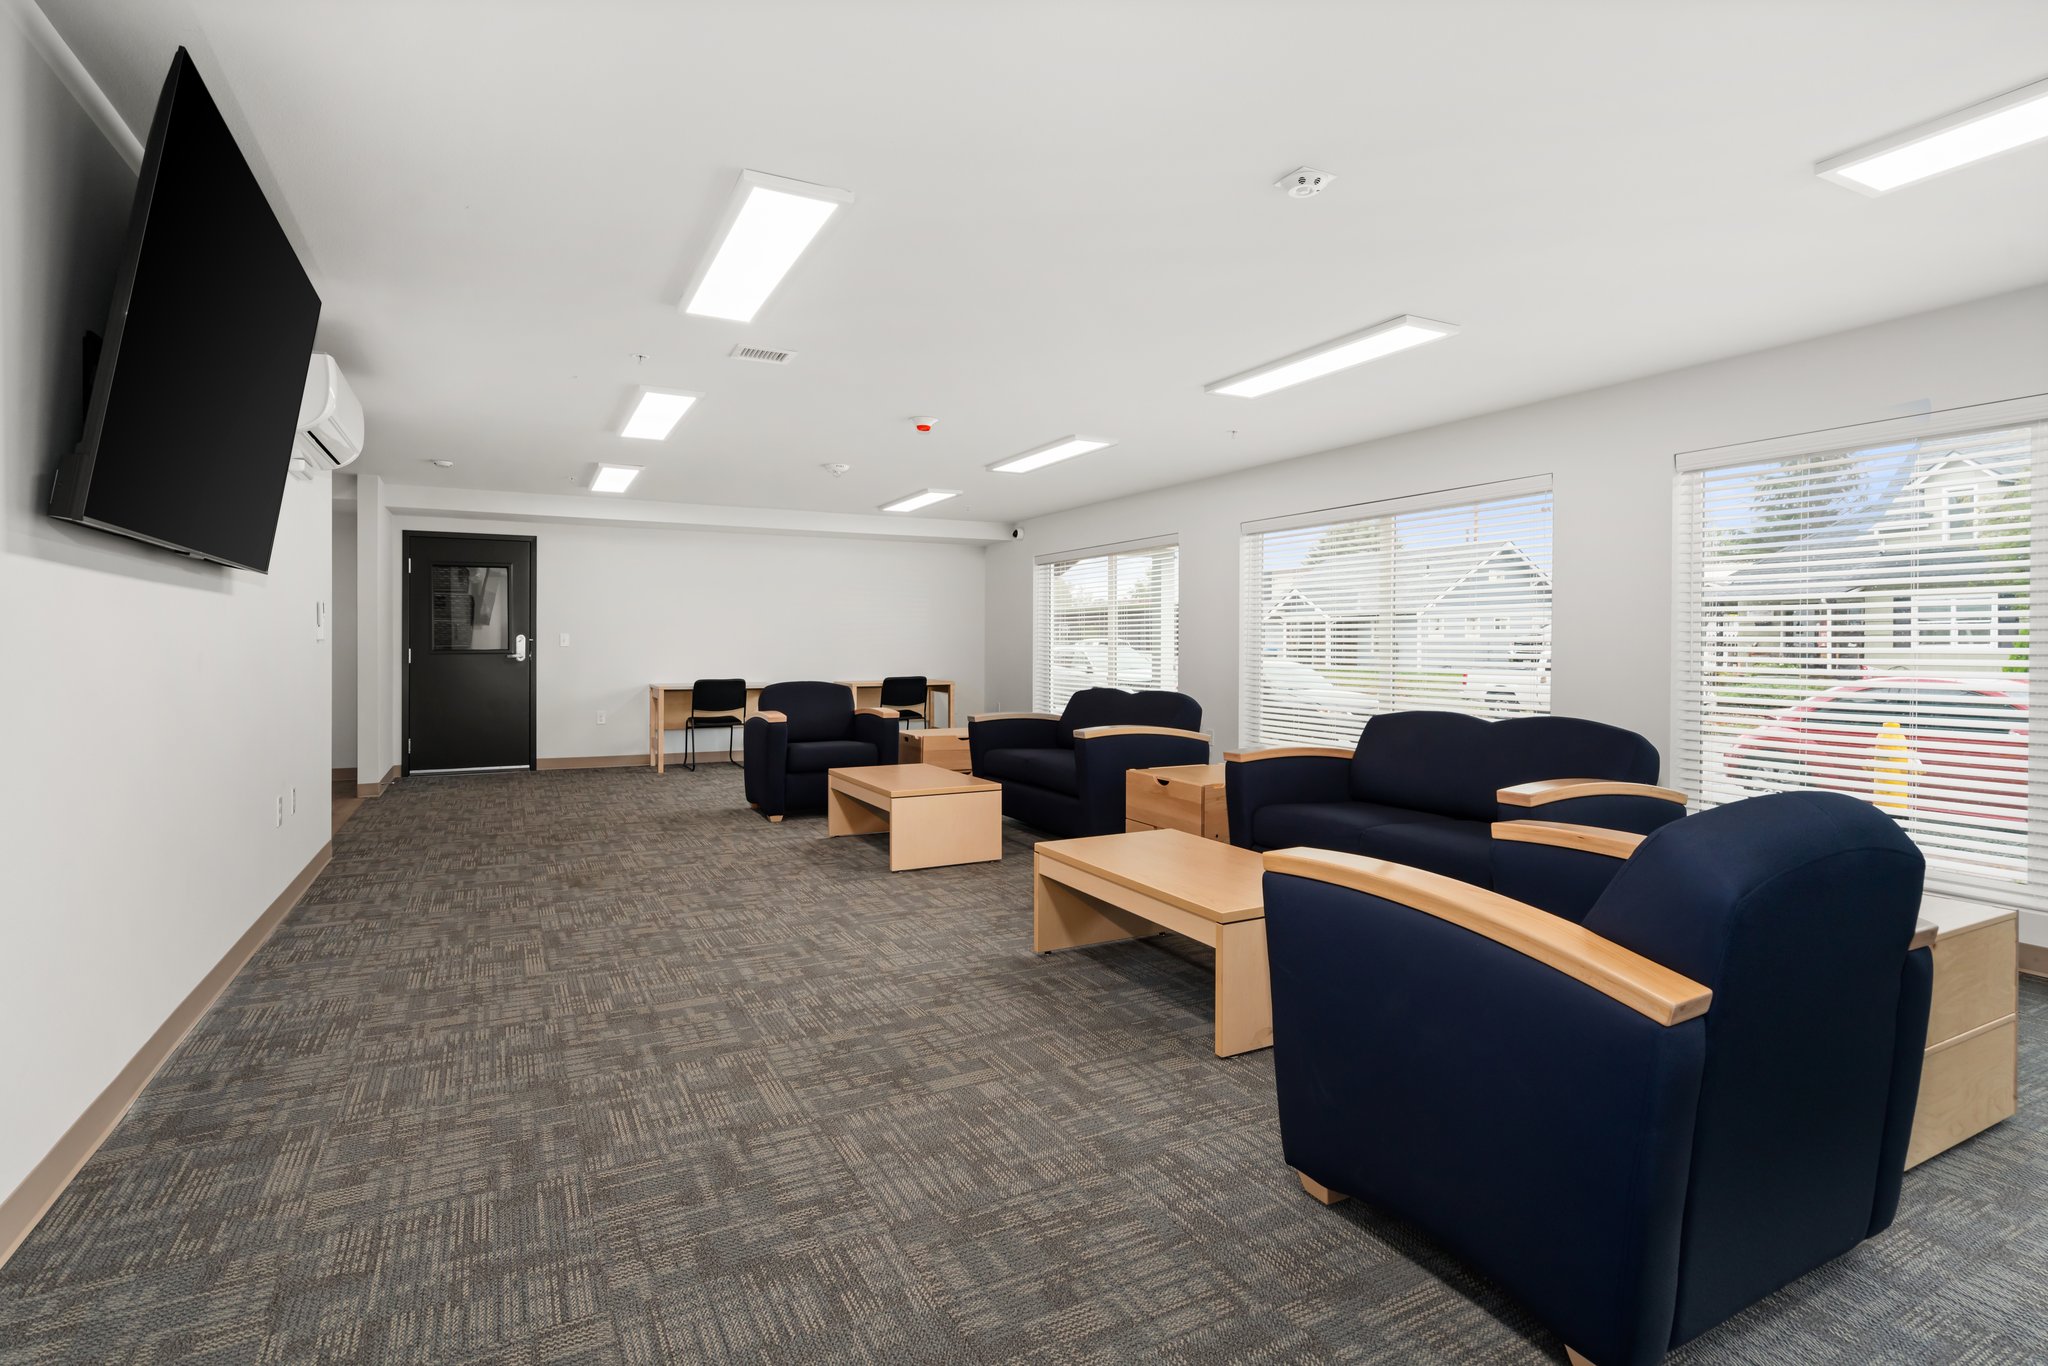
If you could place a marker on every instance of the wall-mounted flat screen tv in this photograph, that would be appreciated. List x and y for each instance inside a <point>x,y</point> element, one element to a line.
<point>195,401</point>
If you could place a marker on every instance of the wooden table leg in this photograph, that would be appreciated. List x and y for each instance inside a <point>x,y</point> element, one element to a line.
<point>846,815</point>
<point>1244,988</point>
<point>945,830</point>
<point>657,722</point>
<point>1062,918</point>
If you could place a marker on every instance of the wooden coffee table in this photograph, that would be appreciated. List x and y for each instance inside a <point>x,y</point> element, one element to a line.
<point>1108,887</point>
<point>933,816</point>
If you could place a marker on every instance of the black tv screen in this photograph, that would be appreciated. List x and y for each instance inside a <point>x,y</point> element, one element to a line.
<point>195,402</point>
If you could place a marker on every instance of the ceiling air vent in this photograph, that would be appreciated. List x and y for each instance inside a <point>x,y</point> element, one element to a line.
<point>766,355</point>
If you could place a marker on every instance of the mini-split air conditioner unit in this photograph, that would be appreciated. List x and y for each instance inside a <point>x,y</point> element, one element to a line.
<point>330,418</point>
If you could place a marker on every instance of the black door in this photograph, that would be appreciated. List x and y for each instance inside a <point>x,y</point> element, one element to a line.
<point>469,652</point>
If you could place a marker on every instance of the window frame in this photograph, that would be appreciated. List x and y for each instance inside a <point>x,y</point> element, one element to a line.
<point>1046,649</point>
<point>1389,650</point>
<point>2008,627</point>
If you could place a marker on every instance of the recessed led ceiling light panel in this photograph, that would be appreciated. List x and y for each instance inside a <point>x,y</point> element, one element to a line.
<point>1983,130</point>
<point>768,225</point>
<point>1051,453</point>
<point>1381,339</point>
<point>614,478</point>
<point>923,498</point>
<point>656,414</point>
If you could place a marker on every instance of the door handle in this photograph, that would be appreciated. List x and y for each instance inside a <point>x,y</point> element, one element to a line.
<point>519,649</point>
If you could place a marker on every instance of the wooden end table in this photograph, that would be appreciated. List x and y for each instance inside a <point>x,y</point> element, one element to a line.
<point>1178,797</point>
<point>942,748</point>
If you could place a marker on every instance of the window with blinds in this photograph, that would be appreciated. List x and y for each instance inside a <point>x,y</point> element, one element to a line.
<point>1860,620</point>
<point>1107,618</point>
<point>1439,602</point>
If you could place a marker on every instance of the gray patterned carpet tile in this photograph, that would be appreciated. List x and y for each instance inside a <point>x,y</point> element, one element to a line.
<point>600,1067</point>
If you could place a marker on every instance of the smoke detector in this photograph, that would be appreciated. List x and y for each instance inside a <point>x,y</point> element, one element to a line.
<point>836,468</point>
<point>1304,182</point>
<point>923,424</point>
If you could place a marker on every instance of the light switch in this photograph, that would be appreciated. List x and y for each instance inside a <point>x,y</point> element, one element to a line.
<point>565,640</point>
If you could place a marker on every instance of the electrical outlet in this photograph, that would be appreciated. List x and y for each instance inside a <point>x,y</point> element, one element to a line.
<point>600,718</point>
<point>565,640</point>
<point>280,811</point>
<point>295,801</point>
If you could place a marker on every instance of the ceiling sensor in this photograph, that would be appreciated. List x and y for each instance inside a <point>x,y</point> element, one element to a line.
<point>1305,183</point>
<point>766,355</point>
<point>923,424</point>
<point>836,468</point>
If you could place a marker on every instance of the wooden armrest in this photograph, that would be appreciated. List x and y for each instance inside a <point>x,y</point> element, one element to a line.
<point>1565,789</point>
<point>889,713</point>
<point>773,718</point>
<point>1013,716</point>
<point>1095,732</point>
<point>1643,985</point>
<point>1294,752</point>
<point>1924,935</point>
<point>1591,838</point>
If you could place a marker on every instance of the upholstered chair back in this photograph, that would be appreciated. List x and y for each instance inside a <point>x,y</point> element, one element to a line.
<point>1115,707</point>
<point>1451,764</point>
<point>1435,761</point>
<point>816,711</point>
<point>1796,909</point>
<point>1530,749</point>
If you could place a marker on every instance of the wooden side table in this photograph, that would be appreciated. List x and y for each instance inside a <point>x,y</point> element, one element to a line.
<point>1970,1080</point>
<point>944,748</point>
<point>1180,797</point>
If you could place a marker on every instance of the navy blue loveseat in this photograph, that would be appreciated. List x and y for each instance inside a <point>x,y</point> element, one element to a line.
<point>1424,788</point>
<point>801,732</point>
<point>1065,774</point>
<point>1638,1125</point>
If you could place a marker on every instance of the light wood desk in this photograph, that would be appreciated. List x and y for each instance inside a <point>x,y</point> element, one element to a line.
<point>668,708</point>
<point>1102,888</point>
<point>867,692</point>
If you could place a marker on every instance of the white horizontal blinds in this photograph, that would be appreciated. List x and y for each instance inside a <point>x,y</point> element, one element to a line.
<point>1108,620</point>
<point>1861,620</point>
<point>1440,606</point>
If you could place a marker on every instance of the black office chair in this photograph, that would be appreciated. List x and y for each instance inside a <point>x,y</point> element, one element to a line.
<point>715,704</point>
<point>909,697</point>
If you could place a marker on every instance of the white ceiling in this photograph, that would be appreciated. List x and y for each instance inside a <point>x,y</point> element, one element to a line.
<point>1065,219</point>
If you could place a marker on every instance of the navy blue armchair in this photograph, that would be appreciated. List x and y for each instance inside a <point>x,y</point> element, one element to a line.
<point>1638,1125</point>
<point>801,732</point>
<point>1425,788</point>
<point>1065,774</point>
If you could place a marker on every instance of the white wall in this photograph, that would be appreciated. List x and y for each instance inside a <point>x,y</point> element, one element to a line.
<point>154,708</point>
<point>1610,453</point>
<point>643,604</point>
<point>344,635</point>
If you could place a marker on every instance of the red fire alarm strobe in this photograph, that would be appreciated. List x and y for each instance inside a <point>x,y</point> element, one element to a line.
<point>924,424</point>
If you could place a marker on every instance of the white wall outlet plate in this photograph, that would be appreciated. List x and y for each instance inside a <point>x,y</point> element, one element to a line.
<point>565,640</point>
<point>600,718</point>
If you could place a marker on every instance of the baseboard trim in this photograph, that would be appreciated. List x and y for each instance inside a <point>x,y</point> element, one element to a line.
<point>2034,960</point>
<point>378,789</point>
<point>595,761</point>
<point>25,1207</point>
<point>344,782</point>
